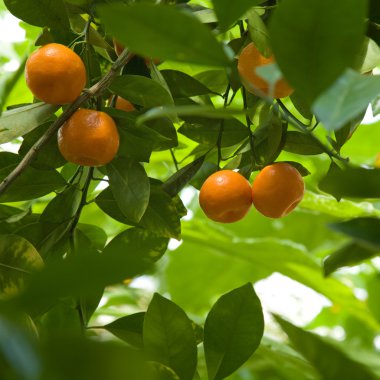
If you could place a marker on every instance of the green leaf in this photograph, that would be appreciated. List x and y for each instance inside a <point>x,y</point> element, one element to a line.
<point>161,216</point>
<point>327,36</point>
<point>62,207</point>
<point>215,80</point>
<point>137,242</point>
<point>129,329</point>
<point>169,337</point>
<point>228,12</point>
<point>206,131</point>
<point>347,98</point>
<point>49,155</point>
<point>258,32</point>
<point>355,182</point>
<point>141,90</point>
<point>174,184</point>
<point>130,187</point>
<point>301,143</point>
<point>18,258</point>
<point>41,13</point>
<point>183,85</point>
<point>31,184</point>
<point>233,331</point>
<point>19,121</point>
<point>350,254</point>
<point>163,32</point>
<point>330,360</point>
<point>363,230</point>
<point>373,289</point>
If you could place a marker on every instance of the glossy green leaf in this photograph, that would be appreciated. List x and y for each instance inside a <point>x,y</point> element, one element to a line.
<point>169,337</point>
<point>233,331</point>
<point>141,90</point>
<point>354,91</point>
<point>206,131</point>
<point>137,242</point>
<point>19,121</point>
<point>350,254</point>
<point>363,230</point>
<point>354,182</point>
<point>228,12</point>
<point>327,36</point>
<point>129,329</point>
<point>62,207</point>
<point>163,32</point>
<point>174,184</point>
<point>32,183</point>
<point>329,360</point>
<point>43,13</point>
<point>161,216</point>
<point>183,85</point>
<point>18,258</point>
<point>258,32</point>
<point>130,187</point>
<point>301,143</point>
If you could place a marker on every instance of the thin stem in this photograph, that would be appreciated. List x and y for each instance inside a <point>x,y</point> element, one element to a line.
<point>221,128</point>
<point>303,128</point>
<point>95,90</point>
<point>174,160</point>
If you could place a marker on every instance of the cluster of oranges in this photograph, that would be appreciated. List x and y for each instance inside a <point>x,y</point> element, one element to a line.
<point>56,74</point>
<point>226,196</point>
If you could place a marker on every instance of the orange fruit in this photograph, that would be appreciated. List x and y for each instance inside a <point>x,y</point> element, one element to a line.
<point>89,138</point>
<point>225,196</point>
<point>249,60</point>
<point>277,190</point>
<point>55,74</point>
<point>124,105</point>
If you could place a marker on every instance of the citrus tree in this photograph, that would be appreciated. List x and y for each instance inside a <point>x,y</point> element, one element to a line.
<point>119,112</point>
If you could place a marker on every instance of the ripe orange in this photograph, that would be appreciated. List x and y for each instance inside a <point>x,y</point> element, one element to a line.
<point>124,105</point>
<point>225,196</point>
<point>55,74</point>
<point>277,190</point>
<point>89,138</point>
<point>250,58</point>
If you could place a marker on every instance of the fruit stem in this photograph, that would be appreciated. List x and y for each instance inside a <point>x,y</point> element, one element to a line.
<point>174,160</point>
<point>221,128</point>
<point>95,90</point>
<point>303,128</point>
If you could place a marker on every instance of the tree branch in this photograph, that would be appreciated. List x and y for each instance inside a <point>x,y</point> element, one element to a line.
<point>95,90</point>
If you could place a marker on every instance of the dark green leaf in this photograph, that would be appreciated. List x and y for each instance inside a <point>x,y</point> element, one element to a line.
<point>330,361</point>
<point>301,143</point>
<point>130,187</point>
<point>343,134</point>
<point>233,331</point>
<point>41,13</point>
<point>364,230</point>
<point>63,206</point>
<point>18,258</point>
<point>165,136</point>
<point>31,184</point>
<point>258,32</point>
<point>169,337</point>
<point>206,131</point>
<point>141,90</point>
<point>354,91</point>
<point>48,156</point>
<point>161,216</point>
<point>327,36</point>
<point>215,80</point>
<point>355,182</point>
<point>137,242</point>
<point>301,106</point>
<point>183,85</point>
<point>350,254</point>
<point>19,121</point>
<point>163,32</point>
<point>228,12</point>
<point>129,329</point>
<point>96,234</point>
<point>179,180</point>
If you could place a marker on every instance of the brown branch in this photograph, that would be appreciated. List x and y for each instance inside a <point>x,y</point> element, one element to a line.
<point>95,90</point>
